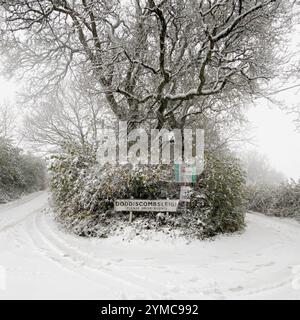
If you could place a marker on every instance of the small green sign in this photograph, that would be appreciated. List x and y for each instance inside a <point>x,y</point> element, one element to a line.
<point>185,173</point>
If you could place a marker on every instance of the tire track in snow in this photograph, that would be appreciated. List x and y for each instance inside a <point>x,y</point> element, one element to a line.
<point>94,262</point>
<point>17,203</point>
<point>153,286</point>
<point>8,220</point>
<point>69,257</point>
<point>268,288</point>
<point>284,227</point>
<point>286,231</point>
<point>17,222</point>
<point>256,263</point>
<point>51,253</point>
<point>217,291</point>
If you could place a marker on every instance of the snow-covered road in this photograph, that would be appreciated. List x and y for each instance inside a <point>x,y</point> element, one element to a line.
<point>38,261</point>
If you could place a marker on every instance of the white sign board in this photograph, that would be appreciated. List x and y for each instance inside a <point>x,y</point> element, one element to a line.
<point>185,193</point>
<point>146,205</point>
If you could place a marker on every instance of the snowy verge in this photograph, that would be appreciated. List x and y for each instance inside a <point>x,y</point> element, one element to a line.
<point>43,262</point>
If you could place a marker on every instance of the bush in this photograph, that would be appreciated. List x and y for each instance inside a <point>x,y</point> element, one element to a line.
<point>219,195</point>
<point>68,172</point>
<point>19,173</point>
<point>282,200</point>
<point>84,195</point>
<point>260,197</point>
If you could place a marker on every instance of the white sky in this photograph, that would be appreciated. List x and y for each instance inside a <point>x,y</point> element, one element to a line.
<point>275,136</point>
<point>7,89</point>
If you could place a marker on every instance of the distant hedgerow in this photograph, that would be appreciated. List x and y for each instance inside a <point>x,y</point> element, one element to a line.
<point>19,173</point>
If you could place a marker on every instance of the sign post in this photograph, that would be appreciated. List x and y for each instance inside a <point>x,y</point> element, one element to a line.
<point>185,193</point>
<point>185,173</point>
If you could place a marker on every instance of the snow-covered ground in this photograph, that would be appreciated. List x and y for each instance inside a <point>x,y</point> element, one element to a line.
<point>38,261</point>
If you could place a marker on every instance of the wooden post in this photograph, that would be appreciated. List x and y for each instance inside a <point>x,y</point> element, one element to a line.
<point>130,213</point>
<point>185,201</point>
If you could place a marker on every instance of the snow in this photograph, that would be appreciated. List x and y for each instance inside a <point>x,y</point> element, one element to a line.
<point>39,261</point>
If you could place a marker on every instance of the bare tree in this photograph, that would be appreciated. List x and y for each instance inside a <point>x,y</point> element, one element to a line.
<point>7,120</point>
<point>296,112</point>
<point>70,117</point>
<point>157,60</point>
<point>259,170</point>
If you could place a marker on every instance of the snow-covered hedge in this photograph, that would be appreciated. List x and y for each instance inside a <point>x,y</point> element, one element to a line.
<point>282,200</point>
<point>19,173</point>
<point>218,197</point>
<point>84,195</point>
